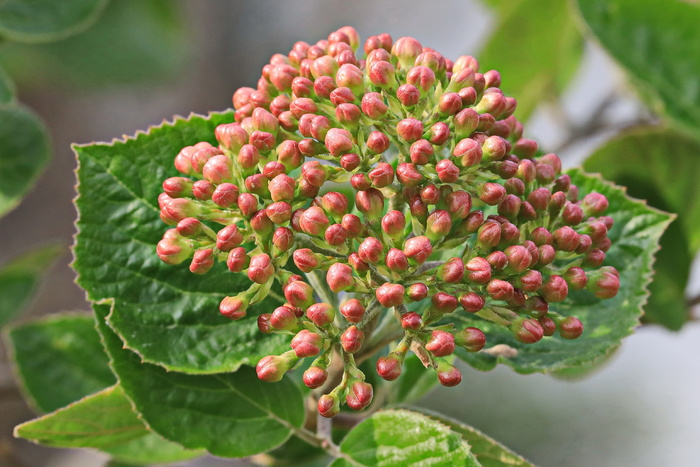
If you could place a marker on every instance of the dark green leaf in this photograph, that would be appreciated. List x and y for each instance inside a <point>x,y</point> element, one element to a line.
<point>24,151</point>
<point>229,414</point>
<point>7,88</point>
<point>20,278</point>
<point>657,43</point>
<point>47,20</point>
<point>635,237</point>
<point>535,53</point>
<point>59,359</point>
<point>488,451</point>
<point>166,314</point>
<point>401,438</point>
<point>657,164</point>
<point>99,420</point>
<point>133,41</point>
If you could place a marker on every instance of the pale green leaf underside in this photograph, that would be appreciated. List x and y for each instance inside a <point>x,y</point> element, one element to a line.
<point>635,238</point>
<point>166,314</point>
<point>658,44</point>
<point>402,438</point>
<point>655,163</point>
<point>230,414</point>
<point>47,20</point>
<point>24,151</point>
<point>20,277</point>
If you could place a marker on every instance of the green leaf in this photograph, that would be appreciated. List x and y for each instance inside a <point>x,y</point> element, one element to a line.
<point>415,382</point>
<point>47,20</point>
<point>133,41</point>
<point>24,151</point>
<point>657,43</point>
<point>400,438</point>
<point>229,414</point>
<point>99,420</point>
<point>150,448</point>
<point>535,53</point>
<point>166,314</point>
<point>7,88</point>
<point>59,359</point>
<point>20,278</point>
<point>635,237</point>
<point>488,451</point>
<point>655,164</point>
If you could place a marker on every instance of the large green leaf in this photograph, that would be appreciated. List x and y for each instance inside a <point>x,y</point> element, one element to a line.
<point>20,277</point>
<point>535,52</point>
<point>400,438</point>
<point>133,41</point>
<point>150,448</point>
<point>488,451</point>
<point>658,164</point>
<point>229,414</point>
<point>103,419</point>
<point>59,359</point>
<point>658,44</point>
<point>24,151</point>
<point>7,88</point>
<point>635,238</point>
<point>47,20</point>
<point>166,314</point>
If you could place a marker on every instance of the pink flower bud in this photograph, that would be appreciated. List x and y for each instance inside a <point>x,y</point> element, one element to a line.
<point>261,268</point>
<point>409,175</point>
<point>299,294</point>
<point>321,314</point>
<point>539,199</point>
<point>382,175</point>
<point>443,303</point>
<point>370,203</point>
<point>261,223</point>
<point>541,236</point>
<point>289,155</point>
<point>263,141</point>
<point>471,302</point>
<point>257,184</point>
<point>328,405</point>
<point>279,212</point>
<point>594,204</point>
<point>408,95</point>
<point>527,331</point>
<point>283,239</point>
<point>584,243</point>
<point>519,258</point>
<point>301,106</point>
<point>373,105</point>
<point>491,193</point>
<point>336,235</point>
<point>350,161</point>
<point>279,106</point>
<point>225,195</point>
<point>202,261</point>
<point>264,323</point>
<point>233,307</point>
<point>411,321</point>
<point>555,289</point>
<point>314,221</point>
<point>576,278</point>
<point>498,260</point>
<point>605,283</point>
<point>390,295</point>
<point>393,223</point>
<point>177,187</point>
<point>339,277</point>
<point>396,260</point>
<point>228,238</point>
<point>449,104</point>
<point>531,281</point>
<point>447,171</point>
<point>421,152</point>
<point>315,377</point>
<point>410,129</point>
<point>357,264</point>
<point>417,292</point>
<point>493,103</point>
<point>352,225</point>
<point>231,136</point>
<point>247,204</point>
<point>422,78</point>
<point>306,260</point>
<point>338,141</point>
<point>377,142</point>
<point>489,235</point>
<point>472,339</point>
<point>478,270</point>
<point>500,290</point>
<point>438,224</point>
<point>352,339</point>
<point>342,95</point>
<point>217,169</point>
<point>465,123</point>
<point>448,375</point>
<point>570,328</point>
<point>359,396</point>
<point>283,318</point>
<point>389,367</point>
<point>565,239</point>
<point>350,77</point>
<point>441,343</point>
<point>418,249</point>
<point>272,368</point>
<point>353,310</point>
<point>282,188</point>
<point>370,250</point>
<point>556,203</point>
<point>451,271</point>
<point>430,194</point>
<point>237,260</point>
<point>189,227</point>
<point>439,133</point>
<point>307,344</point>
<point>381,74</point>
<point>347,115</point>
<point>324,85</point>
<point>204,190</point>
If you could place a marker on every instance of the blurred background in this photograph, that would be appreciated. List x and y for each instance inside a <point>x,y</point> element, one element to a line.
<point>143,61</point>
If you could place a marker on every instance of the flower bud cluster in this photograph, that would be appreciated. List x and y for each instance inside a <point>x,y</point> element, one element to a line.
<point>438,167</point>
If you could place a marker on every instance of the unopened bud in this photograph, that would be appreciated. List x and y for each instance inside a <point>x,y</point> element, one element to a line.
<point>321,314</point>
<point>390,295</point>
<point>527,331</point>
<point>307,344</point>
<point>441,343</point>
<point>448,374</point>
<point>472,339</point>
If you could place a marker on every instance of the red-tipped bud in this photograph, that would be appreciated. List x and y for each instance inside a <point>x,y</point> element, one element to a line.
<point>393,223</point>
<point>289,155</point>
<point>448,375</point>
<point>389,367</point>
<point>353,310</point>
<point>189,227</point>
<point>494,148</point>
<point>279,212</point>
<point>604,283</point>
<point>459,204</point>
<point>282,188</point>
<point>594,258</point>
<point>422,78</point>
<point>449,104</point>
<point>283,239</point>
<point>500,290</point>
<point>261,268</point>
<point>228,238</point>
<point>468,152</point>
<point>307,344</point>
<point>411,321</point>
<point>202,261</point>
<point>370,250</point>
<point>350,161</point>
<point>541,236</point>
<point>555,289</point>
<point>491,193</point>
<point>527,331</point>
<point>339,277</point>
<point>381,74</point>
<point>314,221</point>
<point>441,343</point>
<point>570,328</point>
<point>396,260</point>
<point>315,377</point>
<point>410,129</point>
<point>204,190</point>
<point>306,260</point>
<point>447,171</point>
<point>489,235</point>
<point>299,294</point>
<point>357,264</point>
<point>430,194</point>
<point>352,339</point>
<point>335,235</point>
<point>547,254</point>
<point>382,175</point>
<point>234,307</point>
<point>594,204</point>
<point>472,339</point>
<point>328,405</point>
<point>247,204</point>
<point>408,95</point>
<point>439,133</point>
<point>225,195</point>
<point>377,142</point>
<point>539,199</point>
<point>509,207</point>
<point>421,152</point>
<point>471,302</point>
<point>359,396</point>
<point>321,314</point>
<point>565,239</point>
<point>272,368</point>
<point>261,223</point>
<point>342,95</point>
<point>390,295</point>
<point>531,281</point>
<point>451,271</point>
<point>438,225</point>
<point>576,278</point>
<point>370,203</point>
<point>231,136</point>
<point>409,175</point>
<point>417,292</point>
<point>352,225</point>
<point>350,77</point>
<point>238,259</point>
<point>373,105</point>
<point>442,303</point>
<point>418,249</point>
<point>519,258</point>
<point>177,187</point>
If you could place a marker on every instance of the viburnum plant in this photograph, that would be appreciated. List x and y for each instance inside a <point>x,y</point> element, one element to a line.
<point>366,210</point>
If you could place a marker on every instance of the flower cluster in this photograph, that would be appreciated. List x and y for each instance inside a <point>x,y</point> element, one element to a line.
<point>453,211</point>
